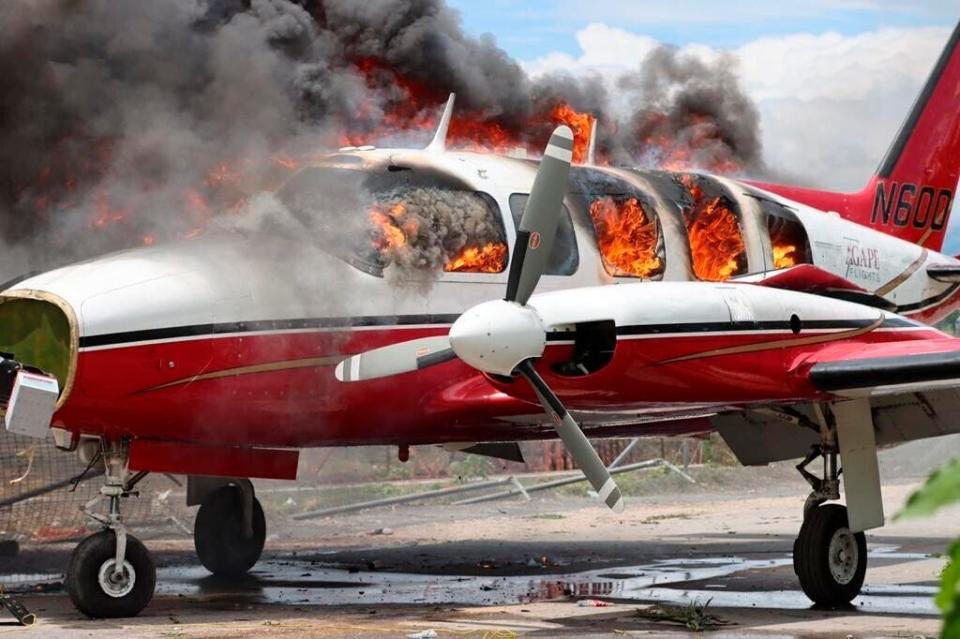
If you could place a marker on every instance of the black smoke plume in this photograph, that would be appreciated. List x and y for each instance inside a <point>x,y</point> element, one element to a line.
<point>127,123</point>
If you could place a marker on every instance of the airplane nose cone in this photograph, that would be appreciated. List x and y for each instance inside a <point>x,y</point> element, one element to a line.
<point>495,337</point>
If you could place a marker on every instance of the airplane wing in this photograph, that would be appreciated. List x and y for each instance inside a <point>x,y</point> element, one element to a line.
<point>913,387</point>
<point>884,369</point>
<point>807,278</point>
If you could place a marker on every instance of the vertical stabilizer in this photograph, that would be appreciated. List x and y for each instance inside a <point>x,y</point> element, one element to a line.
<point>912,193</point>
<point>439,141</point>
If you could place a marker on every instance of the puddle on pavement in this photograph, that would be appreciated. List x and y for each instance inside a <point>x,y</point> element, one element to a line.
<point>299,582</point>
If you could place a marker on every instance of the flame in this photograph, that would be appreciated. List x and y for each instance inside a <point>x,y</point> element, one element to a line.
<point>582,126</point>
<point>388,236</point>
<point>393,231</point>
<point>716,243</point>
<point>107,213</point>
<point>489,258</point>
<point>784,255</point>
<point>417,109</point>
<point>627,237</point>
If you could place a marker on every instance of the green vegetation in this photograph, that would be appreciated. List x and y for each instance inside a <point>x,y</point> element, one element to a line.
<point>941,489</point>
<point>692,617</point>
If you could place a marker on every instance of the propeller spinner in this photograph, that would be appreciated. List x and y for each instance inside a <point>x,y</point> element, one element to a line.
<point>504,337</point>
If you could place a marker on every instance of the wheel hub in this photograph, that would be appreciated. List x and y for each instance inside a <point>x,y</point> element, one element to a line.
<point>844,556</point>
<point>117,584</point>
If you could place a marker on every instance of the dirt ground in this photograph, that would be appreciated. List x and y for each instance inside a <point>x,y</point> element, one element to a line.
<point>557,566</point>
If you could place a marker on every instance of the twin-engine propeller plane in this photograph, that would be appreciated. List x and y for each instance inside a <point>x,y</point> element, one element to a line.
<point>795,323</point>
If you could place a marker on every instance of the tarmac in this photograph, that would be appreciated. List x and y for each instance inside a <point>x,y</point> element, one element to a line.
<point>557,566</point>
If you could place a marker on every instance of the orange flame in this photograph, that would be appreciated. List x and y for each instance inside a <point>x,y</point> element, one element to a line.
<point>716,243</point>
<point>473,130</point>
<point>627,237</point>
<point>784,255</point>
<point>489,258</point>
<point>582,126</point>
<point>393,232</point>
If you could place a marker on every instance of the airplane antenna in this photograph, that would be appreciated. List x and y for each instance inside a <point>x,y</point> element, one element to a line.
<point>592,147</point>
<point>439,142</point>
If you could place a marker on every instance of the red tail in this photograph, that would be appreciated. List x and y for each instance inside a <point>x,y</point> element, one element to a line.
<point>912,192</point>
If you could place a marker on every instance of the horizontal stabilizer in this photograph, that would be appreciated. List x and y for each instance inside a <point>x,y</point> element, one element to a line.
<point>807,278</point>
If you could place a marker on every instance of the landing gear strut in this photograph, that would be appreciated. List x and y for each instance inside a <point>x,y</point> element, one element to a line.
<point>111,573</point>
<point>829,559</point>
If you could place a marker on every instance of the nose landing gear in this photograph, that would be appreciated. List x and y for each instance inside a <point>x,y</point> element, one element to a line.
<point>111,574</point>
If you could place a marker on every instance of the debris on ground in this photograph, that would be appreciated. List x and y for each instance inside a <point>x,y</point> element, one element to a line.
<point>423,634</point>
<point>592,603</point>
<point>17,609</point>
<point>382,531</point>
<point>693,617</point>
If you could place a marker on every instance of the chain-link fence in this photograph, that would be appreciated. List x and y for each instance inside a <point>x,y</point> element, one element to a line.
<point>41,492</point>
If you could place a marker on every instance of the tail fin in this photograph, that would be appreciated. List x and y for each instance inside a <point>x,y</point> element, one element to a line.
<point>912,192</point>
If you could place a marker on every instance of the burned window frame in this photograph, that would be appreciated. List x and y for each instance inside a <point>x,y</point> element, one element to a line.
<point>775,211</point>
<point>712,188</point>
<point>371,182</point>
<point>564,258</point>
<point>585,191</point>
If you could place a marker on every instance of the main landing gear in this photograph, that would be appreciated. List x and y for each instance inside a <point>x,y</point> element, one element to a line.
<point>829,559</point>
<point>111,573</point>
<point>230,529</point>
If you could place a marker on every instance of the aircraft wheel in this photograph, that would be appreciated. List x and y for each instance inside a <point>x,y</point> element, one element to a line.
<point>94,588</point>
<point>222,545</point>
<point>830,559</point>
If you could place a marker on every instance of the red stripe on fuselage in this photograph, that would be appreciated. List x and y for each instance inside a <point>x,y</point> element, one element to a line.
<point>302,407</point>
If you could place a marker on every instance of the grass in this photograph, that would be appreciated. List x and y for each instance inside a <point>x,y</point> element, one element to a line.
<point>692,617</point>
<point>656,518</point>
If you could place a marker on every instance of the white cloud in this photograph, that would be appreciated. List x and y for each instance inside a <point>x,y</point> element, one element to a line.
<point>604,49</point>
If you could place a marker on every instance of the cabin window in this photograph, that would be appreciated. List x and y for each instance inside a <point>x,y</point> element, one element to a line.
<point>788,239</point>
<point>564,257</point>
<point>460,231</point>
<point>628,236</point>
<point>717,248</point>
<point>414,219</point>
<point>625,225</point>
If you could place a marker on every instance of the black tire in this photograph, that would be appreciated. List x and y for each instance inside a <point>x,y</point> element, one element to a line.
<point>84,580</point>
<point>218,533</point>
<point>830,580</point>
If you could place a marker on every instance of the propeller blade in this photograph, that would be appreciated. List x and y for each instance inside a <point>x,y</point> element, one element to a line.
<point>538,226</point>
<point>396,358</point>
<point>576,442</point>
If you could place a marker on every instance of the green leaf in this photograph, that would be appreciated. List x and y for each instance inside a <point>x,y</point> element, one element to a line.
<point>949,598</point>
<point>941,489</point>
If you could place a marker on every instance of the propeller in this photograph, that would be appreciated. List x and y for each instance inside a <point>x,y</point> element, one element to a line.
<point>505,337</point>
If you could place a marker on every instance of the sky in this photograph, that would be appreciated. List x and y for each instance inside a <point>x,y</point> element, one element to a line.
<point>832,79</point>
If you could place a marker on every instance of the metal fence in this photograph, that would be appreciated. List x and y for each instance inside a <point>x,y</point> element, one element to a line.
<point>41,496</point>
